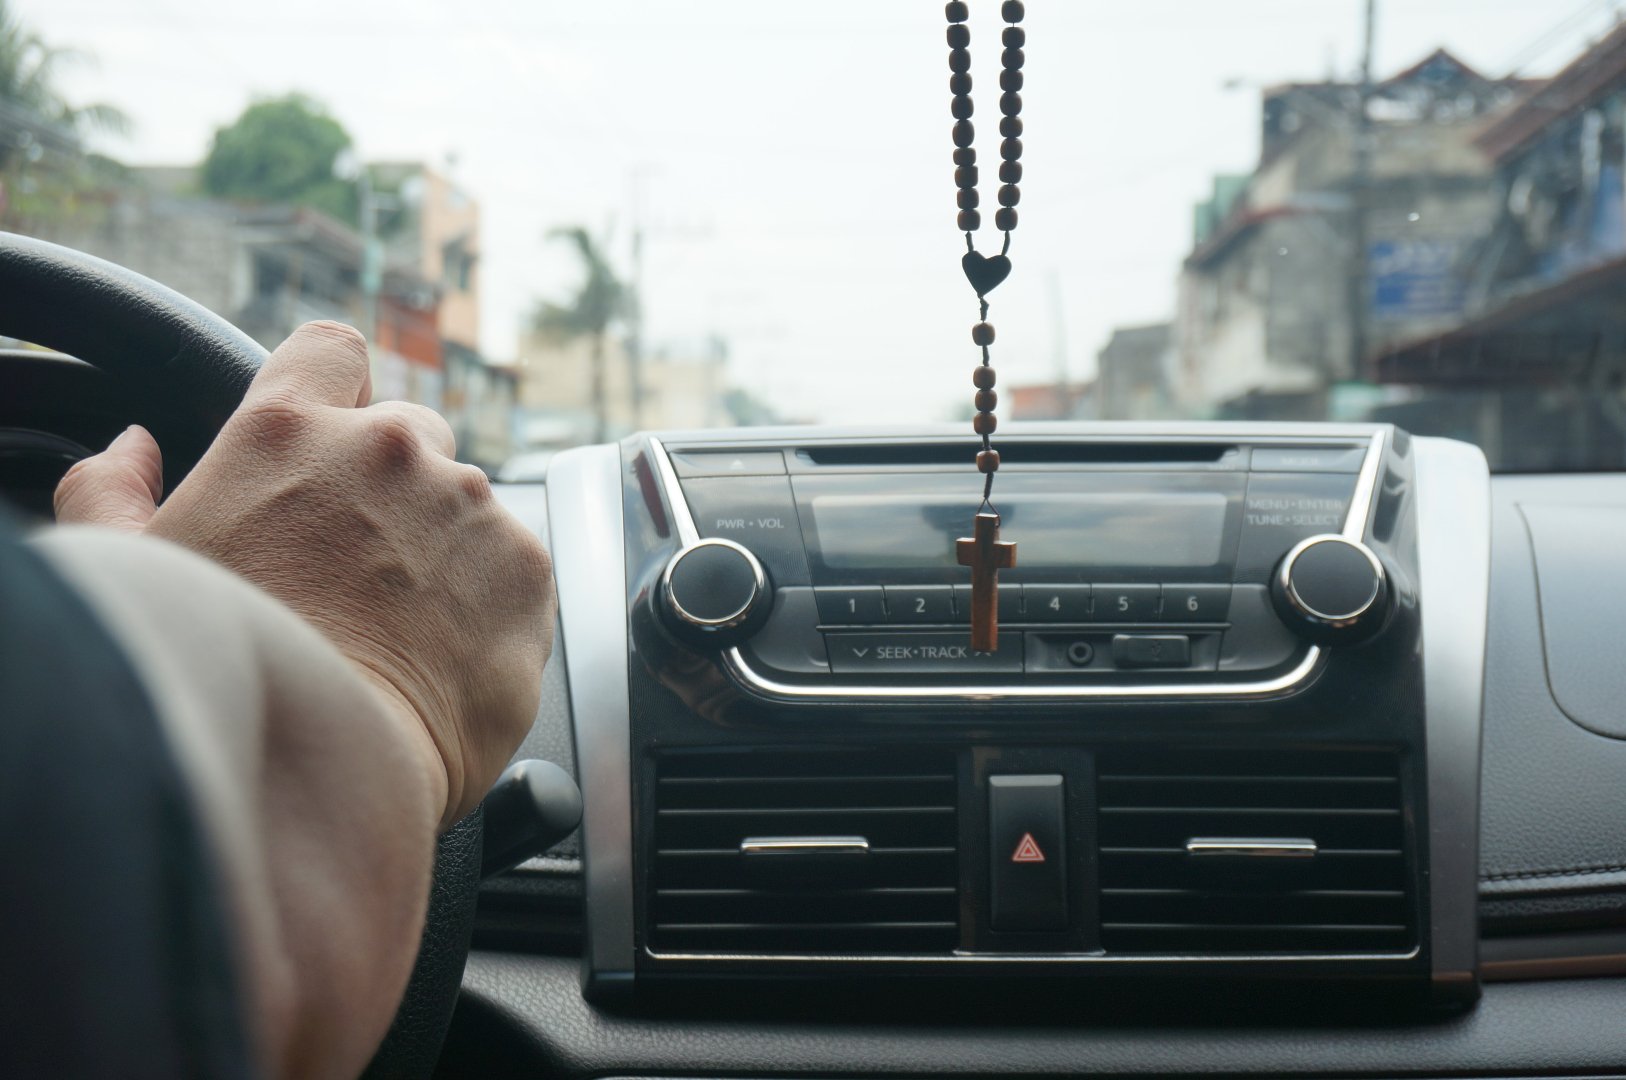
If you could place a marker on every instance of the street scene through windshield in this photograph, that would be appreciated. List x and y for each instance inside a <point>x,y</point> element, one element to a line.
<point>558,224</point>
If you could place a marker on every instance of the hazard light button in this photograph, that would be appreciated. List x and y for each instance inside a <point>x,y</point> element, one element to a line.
<point>1028,852</point>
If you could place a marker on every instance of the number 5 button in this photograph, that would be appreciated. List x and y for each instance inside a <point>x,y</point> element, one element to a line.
<point>1196,603</point>
<point>1125,603</point>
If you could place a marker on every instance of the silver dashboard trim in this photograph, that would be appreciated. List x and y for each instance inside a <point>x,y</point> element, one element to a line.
<point>584,488</point>
<point>1041,958</point>
<point>1453,556</point>
<point>738,668</point>
<point>1229,847</point>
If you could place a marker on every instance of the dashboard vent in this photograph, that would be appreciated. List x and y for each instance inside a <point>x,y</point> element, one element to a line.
<point>770,853</point>
<point>1210,853</point>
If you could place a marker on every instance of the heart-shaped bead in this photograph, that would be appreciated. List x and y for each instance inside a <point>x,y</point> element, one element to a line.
<point>984,272</point>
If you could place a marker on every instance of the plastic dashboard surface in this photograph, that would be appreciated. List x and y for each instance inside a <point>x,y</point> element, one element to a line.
<point>1553,858</point>
<point>1547,863</point>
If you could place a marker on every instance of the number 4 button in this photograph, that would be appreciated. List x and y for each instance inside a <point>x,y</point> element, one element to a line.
<point>1196,603</point>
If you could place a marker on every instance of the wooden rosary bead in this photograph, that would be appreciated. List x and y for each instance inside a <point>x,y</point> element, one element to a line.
<point>1011,11</point>
<point>969,220</point>
<point>959,36</point>
<point>966,198</point>
<point>965,155</point>
<point>982,377</point>
<point>987,461</point>
<point>1010,172</point>
<point>1009,195</point>
<point>960,60</point>
<point>982,334</point>
<point>957,11</point>
<point>1010,103</point>
<point>964,133</point>
<point>965,176</point>
<point>986,400</point>
<point>960,82</point>
<point>1010,59</point>
<point>984,423</point>
<point>1009,149</point>
<point>1010,80</point>
<point>1010,127</point>
<point>1013,37</point>
<point>1005,219</point>
<point>961,107</point>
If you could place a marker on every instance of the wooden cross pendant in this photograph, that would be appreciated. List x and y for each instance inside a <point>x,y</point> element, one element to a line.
<point>987,555</point>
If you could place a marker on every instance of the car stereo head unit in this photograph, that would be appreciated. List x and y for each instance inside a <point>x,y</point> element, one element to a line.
<point>1177,567</point>
<point>1230,731</point>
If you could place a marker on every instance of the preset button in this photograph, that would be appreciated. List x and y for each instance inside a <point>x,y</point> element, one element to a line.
<point>853,604</point>
<point>920,603</point>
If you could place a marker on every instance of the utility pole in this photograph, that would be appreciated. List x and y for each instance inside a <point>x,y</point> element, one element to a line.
<point>1359,301</point>
<point>635,300</point>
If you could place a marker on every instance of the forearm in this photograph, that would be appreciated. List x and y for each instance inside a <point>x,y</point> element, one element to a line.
<point>319,793</point>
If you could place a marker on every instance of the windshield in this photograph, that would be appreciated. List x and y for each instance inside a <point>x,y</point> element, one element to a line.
<point>564,222</point>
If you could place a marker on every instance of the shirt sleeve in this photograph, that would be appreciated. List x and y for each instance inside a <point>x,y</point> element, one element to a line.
<point>115,946</point>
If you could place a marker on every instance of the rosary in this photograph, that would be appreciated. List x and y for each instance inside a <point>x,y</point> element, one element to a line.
<point>984,552</point>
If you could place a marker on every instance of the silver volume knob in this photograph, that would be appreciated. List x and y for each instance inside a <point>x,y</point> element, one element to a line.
<point>1331,589</point>
<point>715,593</point>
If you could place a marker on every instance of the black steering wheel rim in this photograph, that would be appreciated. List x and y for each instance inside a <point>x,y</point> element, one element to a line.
<point>170,351</point>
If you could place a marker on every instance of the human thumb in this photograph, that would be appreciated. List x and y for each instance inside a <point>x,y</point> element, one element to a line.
<point>118,488</point>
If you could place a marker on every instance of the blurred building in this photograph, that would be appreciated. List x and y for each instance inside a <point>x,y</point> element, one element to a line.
<point>684,386</point>
<point>1344,239</point>
<point>1054,401</point>
<point>1135,377</point>
<point>1535,367</point>
<point>268,267</point>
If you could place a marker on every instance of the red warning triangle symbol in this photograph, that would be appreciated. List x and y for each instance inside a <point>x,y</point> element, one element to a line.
<point>1027,850</point>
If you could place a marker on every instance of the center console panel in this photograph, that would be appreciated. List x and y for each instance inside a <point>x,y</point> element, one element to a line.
<point>1230,733</point>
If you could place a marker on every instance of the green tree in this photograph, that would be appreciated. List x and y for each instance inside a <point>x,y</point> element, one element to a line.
<point>44,167</point>
<point>599,302</point>
<point>28,81</point>
<point>282,149</point>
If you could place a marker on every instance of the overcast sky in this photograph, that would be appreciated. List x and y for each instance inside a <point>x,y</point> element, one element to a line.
<point>793,158</point>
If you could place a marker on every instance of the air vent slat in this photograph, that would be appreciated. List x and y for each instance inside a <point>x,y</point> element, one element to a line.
<point>1351,896</point>
<point>899,897</point>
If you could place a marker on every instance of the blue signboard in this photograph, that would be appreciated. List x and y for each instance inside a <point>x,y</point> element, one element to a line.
<point>1415,278</point>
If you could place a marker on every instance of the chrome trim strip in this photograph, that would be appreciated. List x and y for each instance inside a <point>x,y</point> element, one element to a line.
<point>1453,556</point>
<point>1064,959</point>
<point>584,489</point>
<point>804,845</point>
<point>1244,847</point>
<point>734,662</point>
<point>1366,486</point>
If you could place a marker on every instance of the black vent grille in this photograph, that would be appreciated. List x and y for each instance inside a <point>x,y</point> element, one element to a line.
<point>900,897</point>
<point>1352,896</point>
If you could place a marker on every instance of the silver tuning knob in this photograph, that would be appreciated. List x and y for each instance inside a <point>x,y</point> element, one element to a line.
<point>1331,589</point>
<point>715,593</point>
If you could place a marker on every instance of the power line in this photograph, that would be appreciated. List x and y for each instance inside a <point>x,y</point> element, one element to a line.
<point>1550,37</point>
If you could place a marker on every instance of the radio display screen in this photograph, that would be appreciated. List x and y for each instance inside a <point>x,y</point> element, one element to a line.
<point>1113,525</point>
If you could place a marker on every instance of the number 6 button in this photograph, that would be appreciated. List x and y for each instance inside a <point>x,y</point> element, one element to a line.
<point>1196,603</point>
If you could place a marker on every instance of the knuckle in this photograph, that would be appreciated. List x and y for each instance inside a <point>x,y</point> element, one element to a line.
<point>473,482</point>
<point>392,439</point>
<point>274,423</point>
<point>531,558</point>
<point>79,474</point>
<point>336,335</point>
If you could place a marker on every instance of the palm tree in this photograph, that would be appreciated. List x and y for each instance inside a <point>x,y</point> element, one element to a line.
<point>28,88</point>
<point>599,302</point>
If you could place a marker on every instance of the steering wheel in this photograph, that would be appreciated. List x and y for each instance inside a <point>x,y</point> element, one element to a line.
<point>184,369</point>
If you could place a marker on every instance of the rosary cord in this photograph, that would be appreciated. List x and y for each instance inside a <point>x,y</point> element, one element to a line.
<point>986,273</point>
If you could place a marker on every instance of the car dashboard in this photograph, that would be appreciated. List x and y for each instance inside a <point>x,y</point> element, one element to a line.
<point>1301,752</point>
